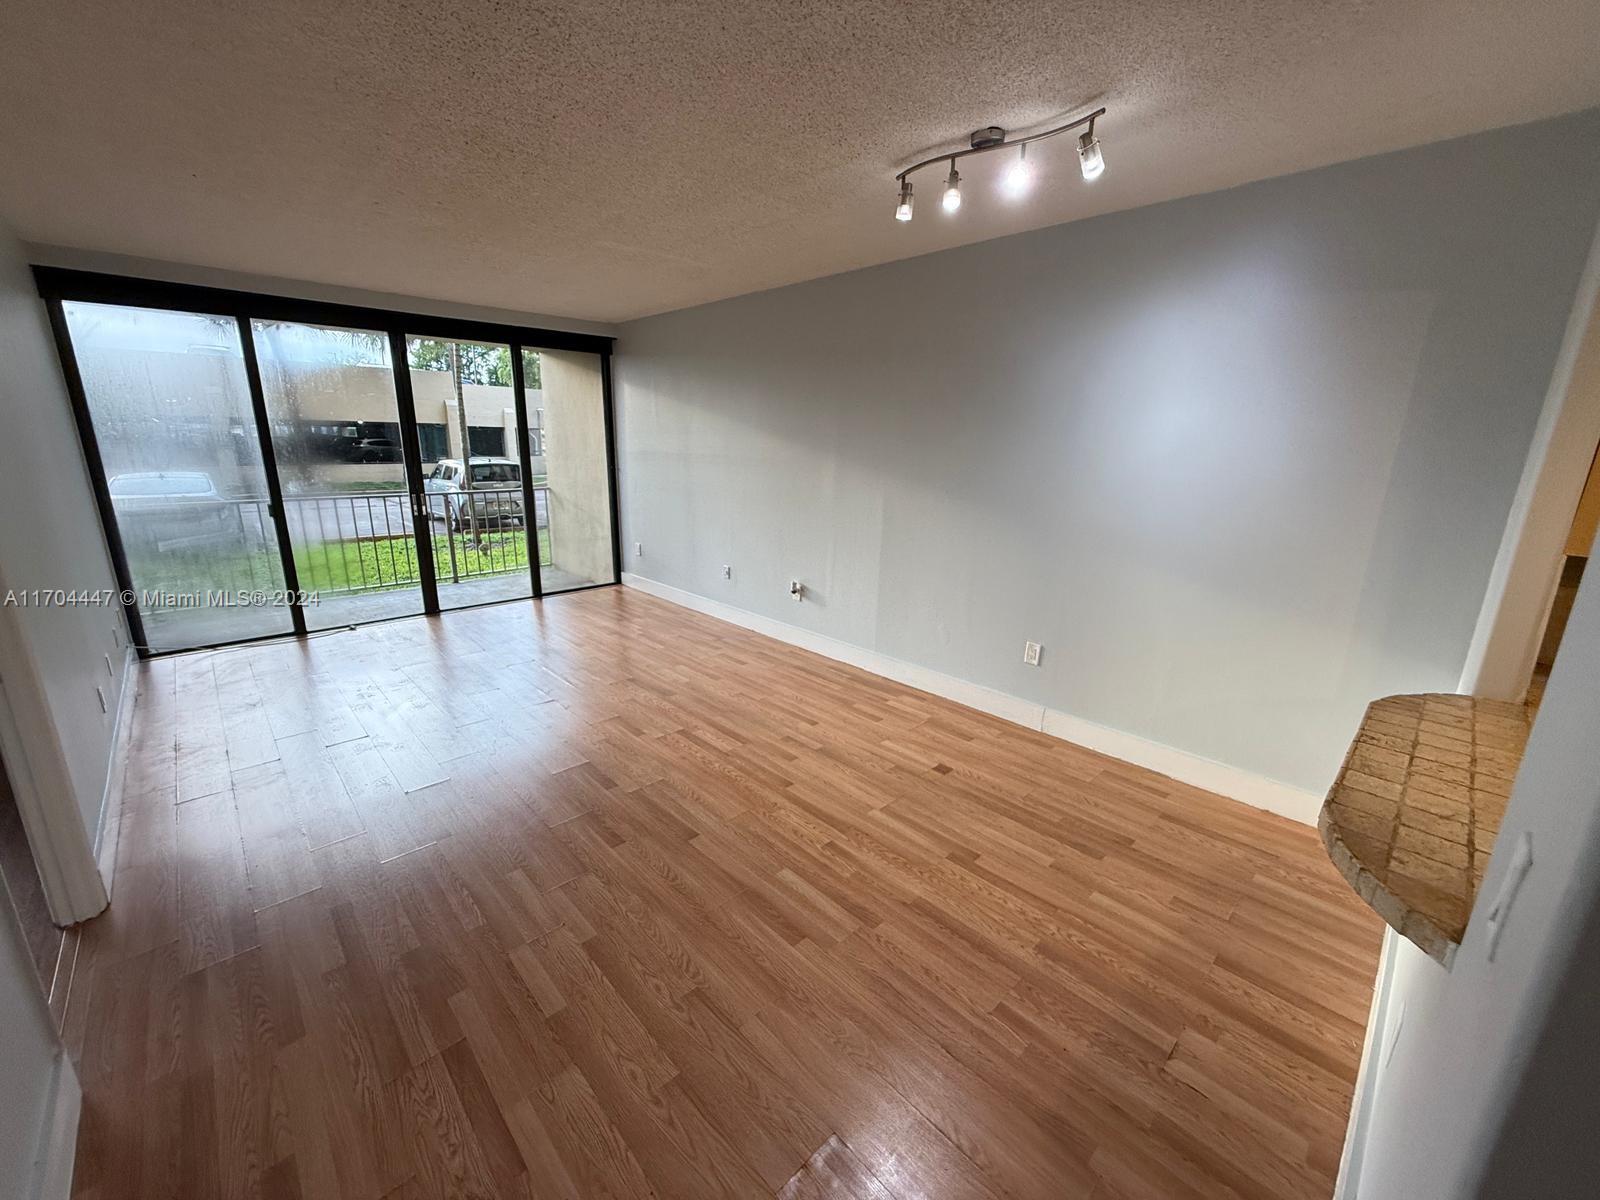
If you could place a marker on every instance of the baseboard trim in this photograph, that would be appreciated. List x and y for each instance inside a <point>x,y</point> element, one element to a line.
<point>1193,769</point>
<point>58,1142</point>
<point>1348,1184</point>
<point>1258,791</point>
<point>109,827</point>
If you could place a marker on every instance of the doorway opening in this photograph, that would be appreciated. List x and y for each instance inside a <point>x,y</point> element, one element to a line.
<point>1552,519</point>
<point>1575,558</point>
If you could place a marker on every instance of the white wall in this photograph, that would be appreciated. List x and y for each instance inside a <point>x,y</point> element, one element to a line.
<point>1490,1090</point>
<point>35,1123</point>
<point>52,658</point>
<point>1241,461</point>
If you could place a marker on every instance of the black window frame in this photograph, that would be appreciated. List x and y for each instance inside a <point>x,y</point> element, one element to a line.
<point>58,285</point>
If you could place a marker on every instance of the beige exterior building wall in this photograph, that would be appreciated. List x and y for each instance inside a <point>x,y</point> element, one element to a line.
<point>358,393</point>
<point>212,392</point>
<point>575,460</point>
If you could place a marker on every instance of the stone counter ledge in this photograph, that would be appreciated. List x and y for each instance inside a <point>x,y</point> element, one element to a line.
<point>1411,819</point>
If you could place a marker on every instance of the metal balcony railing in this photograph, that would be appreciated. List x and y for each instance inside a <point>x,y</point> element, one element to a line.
<point>344,543</point>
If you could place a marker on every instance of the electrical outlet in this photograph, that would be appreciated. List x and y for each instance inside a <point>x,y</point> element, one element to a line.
<point>797,590</point>
<point>100,696</point>
<point>638,549</point>
<point>1030,653</point>
<point>727,571</point>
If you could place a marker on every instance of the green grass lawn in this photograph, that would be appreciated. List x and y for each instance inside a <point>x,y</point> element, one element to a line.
<point>338,566</point>
<point>391,562</point>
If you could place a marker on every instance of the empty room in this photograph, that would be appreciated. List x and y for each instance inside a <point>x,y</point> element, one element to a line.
<point>812,601</point>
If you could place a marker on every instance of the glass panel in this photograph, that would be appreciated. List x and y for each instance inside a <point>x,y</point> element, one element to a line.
<point>336,435</point>
<point>170,406</point>
<point>480,544</point>
<point>572,486</point>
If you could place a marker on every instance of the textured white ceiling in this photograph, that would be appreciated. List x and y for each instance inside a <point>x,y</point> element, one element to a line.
<point>609,159</point>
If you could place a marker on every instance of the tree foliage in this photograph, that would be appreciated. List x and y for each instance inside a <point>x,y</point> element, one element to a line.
<point>480,363</point>
<point>483,364</point>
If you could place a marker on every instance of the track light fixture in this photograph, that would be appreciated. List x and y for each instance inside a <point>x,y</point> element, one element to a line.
<point>952,190</point>
<point>1090,160</point>
<point>1019,175</point>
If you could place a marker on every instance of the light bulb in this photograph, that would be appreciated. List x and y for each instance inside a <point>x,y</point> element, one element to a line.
<point>952,190</point>
<point>1089,156</point>
<point>1019,175</point>
<point>902,210</point>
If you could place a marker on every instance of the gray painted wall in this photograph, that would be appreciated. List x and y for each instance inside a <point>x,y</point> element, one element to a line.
<point>1241,461</point>
<point>50,537</point>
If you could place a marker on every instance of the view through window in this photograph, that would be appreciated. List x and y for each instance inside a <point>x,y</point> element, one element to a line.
<point>575,486</point>
<point>480,529</point>
<point>405,487</point>
<point>335,423</point>
<point>170,405</point>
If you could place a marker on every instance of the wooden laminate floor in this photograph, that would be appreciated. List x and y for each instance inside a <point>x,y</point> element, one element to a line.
<point>602,898</point>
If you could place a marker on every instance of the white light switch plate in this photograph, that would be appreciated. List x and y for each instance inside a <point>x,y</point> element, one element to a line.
<point>1521,863</point>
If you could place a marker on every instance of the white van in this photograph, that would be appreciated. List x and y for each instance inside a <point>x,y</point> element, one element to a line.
<point>495,496</point>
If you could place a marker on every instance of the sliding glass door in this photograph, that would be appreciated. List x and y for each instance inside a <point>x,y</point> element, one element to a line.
<point>571,476</point>
<point>336,436</point>
<point>465,398</point>
<point>169,401</point>
<point>268,466</point>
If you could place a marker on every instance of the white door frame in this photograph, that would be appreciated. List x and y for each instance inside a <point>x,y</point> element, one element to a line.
<point>62,847</point>
<point>1522,584</point>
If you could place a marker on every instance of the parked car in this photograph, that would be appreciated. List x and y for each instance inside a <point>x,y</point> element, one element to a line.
<point>495,497</point>
<point>372,450</point>
<point>166,509</point>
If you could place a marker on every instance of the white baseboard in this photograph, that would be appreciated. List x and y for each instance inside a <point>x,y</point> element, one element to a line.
<point>1247,787</point>
<point>58,1142</point>
<point>109,826</point>
<point>1380,1034</point>
<point>1193,769</point>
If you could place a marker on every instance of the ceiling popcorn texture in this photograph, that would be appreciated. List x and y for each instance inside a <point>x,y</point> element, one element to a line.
<point>609,160</point>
